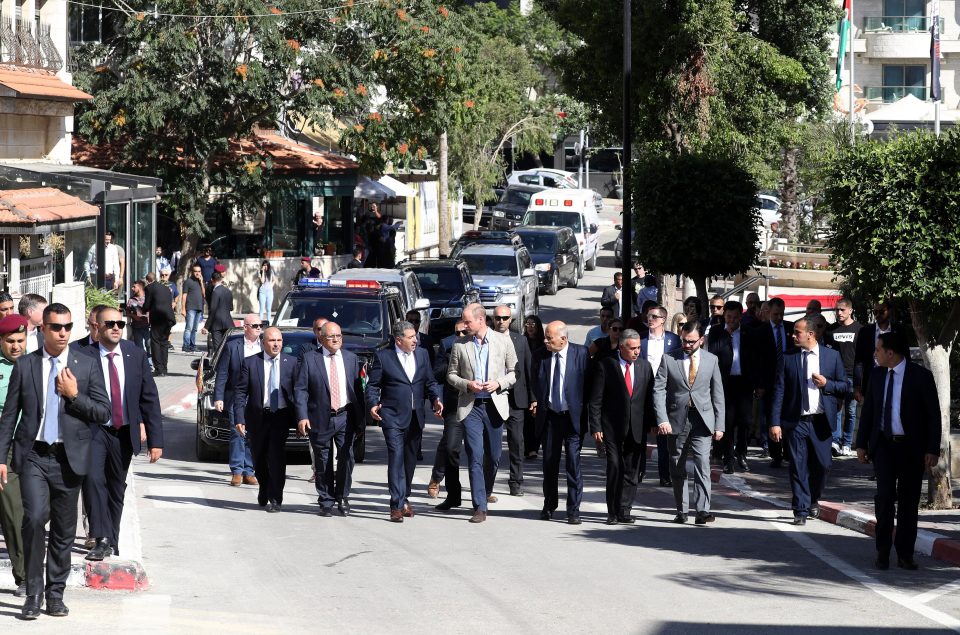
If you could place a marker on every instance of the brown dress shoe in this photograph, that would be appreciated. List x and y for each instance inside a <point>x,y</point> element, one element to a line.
<point>235,480</point>
<point>433,489</point>
<point>250,480</point>
<point>396,516</point>
<point>407,511</point>
<point>478,517</point>
<point>491,499</point>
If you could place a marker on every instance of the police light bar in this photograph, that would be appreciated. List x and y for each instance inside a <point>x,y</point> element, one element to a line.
<point>320,283</point>
<point>361,284</point>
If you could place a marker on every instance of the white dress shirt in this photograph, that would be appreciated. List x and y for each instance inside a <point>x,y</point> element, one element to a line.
<point>813,393</point>
<point>121,373</point>
<point>407,361</point>
<point>251,348</point>
<point>268,363</point>
<point>62,360</point>
<point>337,358</point>
<point>112,257</point>
<point>655,351</point>
<point>896,424</point>
<point>34,338</point>
<point>563,373</point>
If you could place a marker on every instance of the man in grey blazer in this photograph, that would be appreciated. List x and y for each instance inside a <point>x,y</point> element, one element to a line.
<point>688,401</point>
<point>482,369</point>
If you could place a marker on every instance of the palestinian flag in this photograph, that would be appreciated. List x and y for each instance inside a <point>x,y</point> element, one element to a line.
<point>844,41</point>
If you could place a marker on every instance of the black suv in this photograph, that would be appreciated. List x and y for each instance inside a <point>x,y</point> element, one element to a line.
<point>555,255</point>
<point>483,237</point>
<point>509,211</point>
<point>448,285</point>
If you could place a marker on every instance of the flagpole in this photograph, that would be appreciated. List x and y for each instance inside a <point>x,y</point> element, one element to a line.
<point>935,64</point>
<point>853,102</point>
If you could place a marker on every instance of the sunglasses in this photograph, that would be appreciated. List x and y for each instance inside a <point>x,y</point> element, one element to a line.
<point>502,318</point>
<point>460,332</point>
<point>114,324</point>
<point>56,328</point>
<point>255,326</point>
<point>690,342</point>
<point>616,328</point>
<point>716,307</point>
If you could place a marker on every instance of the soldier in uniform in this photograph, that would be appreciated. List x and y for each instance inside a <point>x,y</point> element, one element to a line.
<point>13,344</point>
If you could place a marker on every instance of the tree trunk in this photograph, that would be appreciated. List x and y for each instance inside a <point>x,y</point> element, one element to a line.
<point>478,209</point>
<point>446,224</point>
<point>668,295</point>
<point>790,209</point>
<point>701,284</point>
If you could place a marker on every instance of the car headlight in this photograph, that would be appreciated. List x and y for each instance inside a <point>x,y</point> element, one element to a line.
<point>543,267</point>
<point>451,311</point>
<point>498,214</point>
<point>508,290</point>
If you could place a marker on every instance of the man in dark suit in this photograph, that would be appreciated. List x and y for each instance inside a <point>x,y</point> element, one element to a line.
<point>727,343</point>
<point>808,385</point>
<point>54,399</point>
<point>133,401</point>
<point>768,343</point>
<point>329,403</point>
<point>229,364</point>
<point>900,432</point>
<point>865,343</point>
<point>621,410</point>
<point>220,319</point>
<point>447,459</point>
<point>559,393</point>
<point>400,380</point>
<point>611,295</point>
<point>521,396</point>
<point>263,413</point>
<point>657,343</point>
<point>424,340</point>
<point>158,304</point>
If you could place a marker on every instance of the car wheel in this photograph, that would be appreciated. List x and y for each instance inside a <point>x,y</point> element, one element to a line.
<point>592,263</point>
<point>575,278</point>
<point>204,451</point>
<point>554,284</point>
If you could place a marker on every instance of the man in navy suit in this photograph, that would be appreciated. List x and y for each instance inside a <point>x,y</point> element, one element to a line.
<point>400,381</point>
<point>559,389</point>
<point>224,388</point>
<point>54,399</point>
<point>805,396</point>
<point>658,342</point>
<point>900,432</point>
<point>768,342</point>
<point>329,402</point>
<point>264,414</point>
<point>134,401</point>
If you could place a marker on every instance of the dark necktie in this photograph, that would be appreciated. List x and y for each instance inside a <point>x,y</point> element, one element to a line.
<point>776,335</point>
<point>116,398</point>
<point>51,415</point>
<point>556,397</point>
<point>629,380</point>
<point>888,406</point>
<point>804,383</point>
<point>274,386</point>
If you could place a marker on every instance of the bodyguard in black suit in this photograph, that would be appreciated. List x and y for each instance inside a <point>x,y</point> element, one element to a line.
<point>658,342</point>
<point>264,414</point>
<point>900,432</point>
<point>54,399</point>
<point>133,400</point>
<point>220,319</point>
<point>729,343</point>
<point>865,343</point>
<point>400,380</point>
<point>768,343</point>
<point>521,396</point>
<point>560,409</point>
<point>329,403</point>
<point>158,304</point>
<point>621,411</point>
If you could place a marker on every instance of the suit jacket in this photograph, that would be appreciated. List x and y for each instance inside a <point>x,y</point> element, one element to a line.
<point>672,392</point>
<point>427,343</point>
<point>609,297</point>
<point>20,421</point>
<point>919,412</point>
<point>399,397</point>
<point>787,395</point>
<point>521,395</point>
<point>228,370</point>
<point>141,399</point>
<point>158,303</point>
<point>671,342</point>
<point>248,402</point>
<point>763,353</point>
<point>576,369</point>
<point>221,306</point>
<point>720,343</point>
<point>311,392</point>
<point>501,367</point>
<point>613,410</point>
<point>864,348</point>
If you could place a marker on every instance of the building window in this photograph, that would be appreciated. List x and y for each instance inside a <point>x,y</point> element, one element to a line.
<point>92,23</point>
<point>902,80</point>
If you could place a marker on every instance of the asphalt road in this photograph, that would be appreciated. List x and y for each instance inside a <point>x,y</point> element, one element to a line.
<point>218,564</point>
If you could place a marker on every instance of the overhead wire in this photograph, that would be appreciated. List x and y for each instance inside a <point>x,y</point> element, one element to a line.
<point>131,11</point>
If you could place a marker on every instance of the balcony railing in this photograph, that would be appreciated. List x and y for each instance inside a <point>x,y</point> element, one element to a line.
<point>890,94</point>
<point>899,24</point>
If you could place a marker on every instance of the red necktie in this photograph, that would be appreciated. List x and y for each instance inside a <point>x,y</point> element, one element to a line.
<point>626,378</point>
<point>115,397</point>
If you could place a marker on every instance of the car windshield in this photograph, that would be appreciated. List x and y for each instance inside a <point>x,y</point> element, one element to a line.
<point>481,264</point>
<point>767,203</point>
<point>517,197</point>
<point>355,317</point>
<point>539,243</point>
<point>441,283</point>
<point>555,219</point>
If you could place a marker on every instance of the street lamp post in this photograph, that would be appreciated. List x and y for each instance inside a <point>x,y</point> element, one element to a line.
<point>627,298</point>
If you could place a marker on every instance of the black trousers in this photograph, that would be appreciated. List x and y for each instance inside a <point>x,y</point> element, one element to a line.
<point>106,481</point>
<point>738,411</point>
<point>899,484</point>
<point>531,442</point>
<point>159,334</point>
<point>333,480</point>
<point>515,446</point>
<point>268,449</point>
<point>215,338</point>
<point>623,472</point>
<point>453,433</point>
<point>50,491</point>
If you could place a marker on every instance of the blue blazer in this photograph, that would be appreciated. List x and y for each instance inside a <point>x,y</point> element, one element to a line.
<point>574,385</point>
<point>312,393</point>
<point>789,380</point>
<point>401,398</point>
<point>248,403</point>
<point>671,342</point>
<point>228,369</point>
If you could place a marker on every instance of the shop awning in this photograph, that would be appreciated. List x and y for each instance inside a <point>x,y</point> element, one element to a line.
<point>43,210</point>
<point>37,83</point>
<point>384,187</point>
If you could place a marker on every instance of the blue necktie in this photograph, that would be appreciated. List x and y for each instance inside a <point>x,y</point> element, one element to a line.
<point>805,394</point>
<point>274,386</point>
<point>556,394</point>
<point>51,415</point>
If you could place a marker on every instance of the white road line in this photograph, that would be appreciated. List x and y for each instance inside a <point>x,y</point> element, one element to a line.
<point>879,588</point>
<point>933,594</point>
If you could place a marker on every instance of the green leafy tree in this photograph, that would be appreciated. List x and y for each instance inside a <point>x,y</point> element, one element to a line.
<point>895,227</point>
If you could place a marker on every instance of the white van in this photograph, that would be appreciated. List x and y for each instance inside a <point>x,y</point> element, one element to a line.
<point>569,208</point>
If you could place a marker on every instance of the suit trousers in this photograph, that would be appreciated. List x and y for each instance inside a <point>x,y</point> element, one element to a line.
<point>216,337</point>
<point>402,444</point>
<point>268,447</point>
<point>623,473</point>
<point>809,444</point>
<point>531,442</point>
<point>738,400</point>
<point>777,449</point>
<point>11,520</point>
<point>558,431</point>
<point>663,456</point>
<point>514,427</point>
<point>330,480</point>
<point>899,484</point>
<point>106,481</point>
<point>694,439</point>
<point>453,433</point>
<point>159,336</point>
<point>50,491</point>
<point>483,435</point>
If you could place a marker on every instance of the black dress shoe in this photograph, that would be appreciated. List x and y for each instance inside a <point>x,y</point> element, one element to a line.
<point>325,512</point>
<point>546,514</point>
<point>907,563</point>
<point>703,519</point>
<point>31,608</point>
<point>101,550</point>
<point>815,511</point>
<point>800,520</point>
<point>447,505</point>
<point>742,463</point>
<point>665,482</point>
<point>680,519</point>
<point>516,490</point>
<point>56,607</point>
<point>574,519</point>
<point>268,507</point>
<point>21,591</point>
<point>343,506</point>
<point>728,468</point>
<point>626,519</point>
<point>882,563</point>
<point>611,520</point>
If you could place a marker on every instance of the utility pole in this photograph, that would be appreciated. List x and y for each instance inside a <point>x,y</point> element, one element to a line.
<point>627,220</point>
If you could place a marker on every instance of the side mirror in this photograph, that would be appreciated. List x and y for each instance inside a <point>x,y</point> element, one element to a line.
<point>593,228</point>
<point>527,273</point>
<point>421,304</point>
<point>618,227</point>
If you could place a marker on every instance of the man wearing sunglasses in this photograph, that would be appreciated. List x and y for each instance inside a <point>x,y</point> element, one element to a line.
<point>521,396</point>
<point>228,370</point>
<point>51,452</point>
<point>447,459</point>
<point>134,400</point>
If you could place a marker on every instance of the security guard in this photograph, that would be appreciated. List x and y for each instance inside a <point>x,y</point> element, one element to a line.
<point>13,344</point>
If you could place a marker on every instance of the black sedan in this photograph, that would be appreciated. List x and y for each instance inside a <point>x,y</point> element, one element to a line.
<point>447,283</point>
<point>555,255</point>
